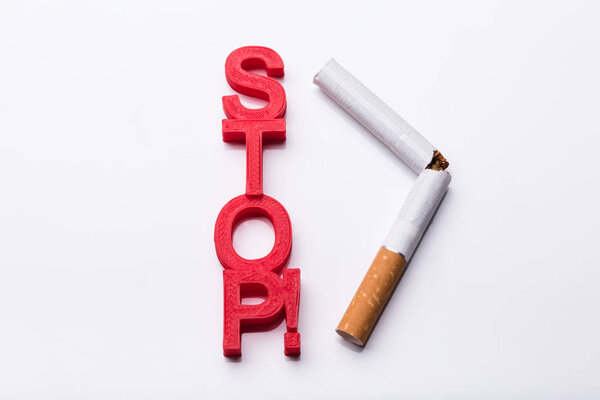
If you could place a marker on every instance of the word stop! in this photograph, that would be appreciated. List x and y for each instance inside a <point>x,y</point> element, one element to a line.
<point>243,277</point>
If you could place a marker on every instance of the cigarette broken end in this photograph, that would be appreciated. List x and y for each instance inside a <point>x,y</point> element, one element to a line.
<point>438,162</point>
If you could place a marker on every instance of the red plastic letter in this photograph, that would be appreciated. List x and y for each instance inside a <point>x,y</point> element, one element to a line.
<point>243,277</point>
<point>236,70</point>
<point>253,133</point>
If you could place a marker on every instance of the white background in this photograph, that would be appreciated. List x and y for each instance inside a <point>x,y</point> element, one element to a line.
<point>112,173</point>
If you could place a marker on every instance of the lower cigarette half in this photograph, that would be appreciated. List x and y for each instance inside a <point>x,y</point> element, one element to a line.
<point>371,297</point>
<point>389,263</point>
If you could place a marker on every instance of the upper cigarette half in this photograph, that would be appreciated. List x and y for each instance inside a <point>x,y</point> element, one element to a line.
<point>375,115</point>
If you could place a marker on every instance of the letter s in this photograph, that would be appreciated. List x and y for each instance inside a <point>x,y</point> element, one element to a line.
<point>251,84</point>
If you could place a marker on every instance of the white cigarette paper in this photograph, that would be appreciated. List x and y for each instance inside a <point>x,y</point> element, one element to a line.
<point>416,212</point>
<point>375,115</point>
<point>423,199</point>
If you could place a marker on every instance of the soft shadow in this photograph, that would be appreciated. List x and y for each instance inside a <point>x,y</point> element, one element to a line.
<point>351,346</point>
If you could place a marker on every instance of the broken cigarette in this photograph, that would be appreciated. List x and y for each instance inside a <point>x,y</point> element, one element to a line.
<point>420,205</point>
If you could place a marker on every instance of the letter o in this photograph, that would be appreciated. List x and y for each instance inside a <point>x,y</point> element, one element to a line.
<point>242,207</point>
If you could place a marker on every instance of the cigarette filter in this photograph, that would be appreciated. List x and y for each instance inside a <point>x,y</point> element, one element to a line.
<point>418,209</point>
<point>389,263</point>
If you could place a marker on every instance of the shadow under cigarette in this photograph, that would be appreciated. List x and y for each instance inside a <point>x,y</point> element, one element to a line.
<point>351,346</point>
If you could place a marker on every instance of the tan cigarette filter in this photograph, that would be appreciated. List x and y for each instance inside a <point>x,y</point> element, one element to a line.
<point>371,297</point>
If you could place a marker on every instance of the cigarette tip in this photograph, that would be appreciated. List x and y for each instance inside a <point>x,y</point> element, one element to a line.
<point>349,337</point>
<point>316,77</point>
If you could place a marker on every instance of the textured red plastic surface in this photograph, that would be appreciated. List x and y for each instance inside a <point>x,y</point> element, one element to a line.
<point>259,277</point>
<point>242,207</point>
<point>281,299</point>
<point>237,67</point>
<point>254,133</point>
